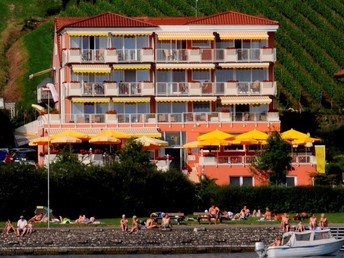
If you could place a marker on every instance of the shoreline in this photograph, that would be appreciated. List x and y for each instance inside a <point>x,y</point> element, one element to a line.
<point>111,240</point>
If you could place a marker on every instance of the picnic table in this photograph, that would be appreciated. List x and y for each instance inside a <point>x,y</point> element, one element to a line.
<point>204,217</point>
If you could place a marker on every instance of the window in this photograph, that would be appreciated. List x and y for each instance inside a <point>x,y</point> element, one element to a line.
<point>201,106</point>
<point>291,181</point>
<point>241,180</point>
<point>201,43</point>
<point>199,75</point>
<point>171,108</point>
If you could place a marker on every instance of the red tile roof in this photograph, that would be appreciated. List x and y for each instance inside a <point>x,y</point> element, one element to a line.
<point>233,18</point>
<point>115,20</point>
<point>167,20</point>
<point>340,73</point>
<point>101,21</point>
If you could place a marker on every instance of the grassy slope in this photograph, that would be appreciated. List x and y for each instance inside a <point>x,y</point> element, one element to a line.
<point>308,41</point>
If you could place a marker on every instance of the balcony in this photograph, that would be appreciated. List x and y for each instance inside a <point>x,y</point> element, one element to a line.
<point>197,55</point>
<point>250,88</point>
<point>165,118</point>
<point>227,55</point>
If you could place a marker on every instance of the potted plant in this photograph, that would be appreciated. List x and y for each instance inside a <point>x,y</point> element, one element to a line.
<point>224,114</point>
<point>111,116</point>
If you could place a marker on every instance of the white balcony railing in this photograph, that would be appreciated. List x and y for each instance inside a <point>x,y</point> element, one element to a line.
<point>112,55</point>
<point>152,118</point>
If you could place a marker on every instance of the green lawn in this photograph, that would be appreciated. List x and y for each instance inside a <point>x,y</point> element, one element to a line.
<point>333,218</point>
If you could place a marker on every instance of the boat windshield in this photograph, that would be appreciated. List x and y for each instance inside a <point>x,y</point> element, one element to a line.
<point>322,235</point>
<point>302,237</point>
<point>286,239</point>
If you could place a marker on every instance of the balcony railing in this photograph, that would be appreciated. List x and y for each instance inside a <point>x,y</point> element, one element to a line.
<point>240,160</point>
<point>107,55</point>
<point>111,55</point>
<point>147,88</point>
<point>161,118</point>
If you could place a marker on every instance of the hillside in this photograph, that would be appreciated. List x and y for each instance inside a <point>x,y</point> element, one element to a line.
<point>309,41</point>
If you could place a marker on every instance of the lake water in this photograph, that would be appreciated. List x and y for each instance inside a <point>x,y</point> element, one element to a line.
<point>208,255</point>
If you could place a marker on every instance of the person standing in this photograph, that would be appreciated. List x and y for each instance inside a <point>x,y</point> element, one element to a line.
<point>313,223</point>
<point>21,226</point>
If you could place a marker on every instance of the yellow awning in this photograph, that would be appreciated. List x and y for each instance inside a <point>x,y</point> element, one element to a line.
<point>90,100</point>
<point>91,68</point>
<point>242,100</point>
<point>185,66</point>
<point>131,100</point>
<point>232,35</point>
<point>131,33</point>
<point>88,34</point>
<point>244,65</point>
<point>185,35</point>
<point>131,66</point>
<point>133,131</point>
<point>185,99</point>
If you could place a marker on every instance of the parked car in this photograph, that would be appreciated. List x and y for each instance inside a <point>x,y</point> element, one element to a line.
<point>24,155</point>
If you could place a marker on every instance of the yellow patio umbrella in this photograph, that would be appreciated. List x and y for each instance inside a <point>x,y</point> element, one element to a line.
<point>253,137</point>
<point>216,134</point>
<point>65,139</point>
<point>214,142</point>
<point>253,134</point>
<point>39,141</point>
<point>151,143</point>
<point>193,144</point>
<point>72,133</point>
<point>304,141</point>
<point>245,141</point>
<point>104,139</point>
<point>114,134</point>
<point>293,135</point>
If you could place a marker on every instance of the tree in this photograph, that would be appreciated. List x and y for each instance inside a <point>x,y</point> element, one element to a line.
<point>274,162</point>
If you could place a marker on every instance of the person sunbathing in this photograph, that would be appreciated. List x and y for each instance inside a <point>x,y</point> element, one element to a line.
<point>150,223</point>
<point>36,218</point>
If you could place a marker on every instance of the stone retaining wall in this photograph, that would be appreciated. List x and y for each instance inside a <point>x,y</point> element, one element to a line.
<point>110,240</point>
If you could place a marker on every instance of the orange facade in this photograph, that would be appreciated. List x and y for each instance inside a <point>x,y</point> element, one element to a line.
<point>172,78</point>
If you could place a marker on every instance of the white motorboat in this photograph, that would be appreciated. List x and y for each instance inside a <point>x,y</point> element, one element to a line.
<point>302,244</point>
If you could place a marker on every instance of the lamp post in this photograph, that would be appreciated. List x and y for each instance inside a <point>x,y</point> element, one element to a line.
<point>48,167</point>
<point>196,8</point>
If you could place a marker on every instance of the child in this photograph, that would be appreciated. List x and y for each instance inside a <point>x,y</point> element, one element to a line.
<point>134,225</point>
<point>300,227</point>
<point>124,223</point>
<point>29,228</point>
